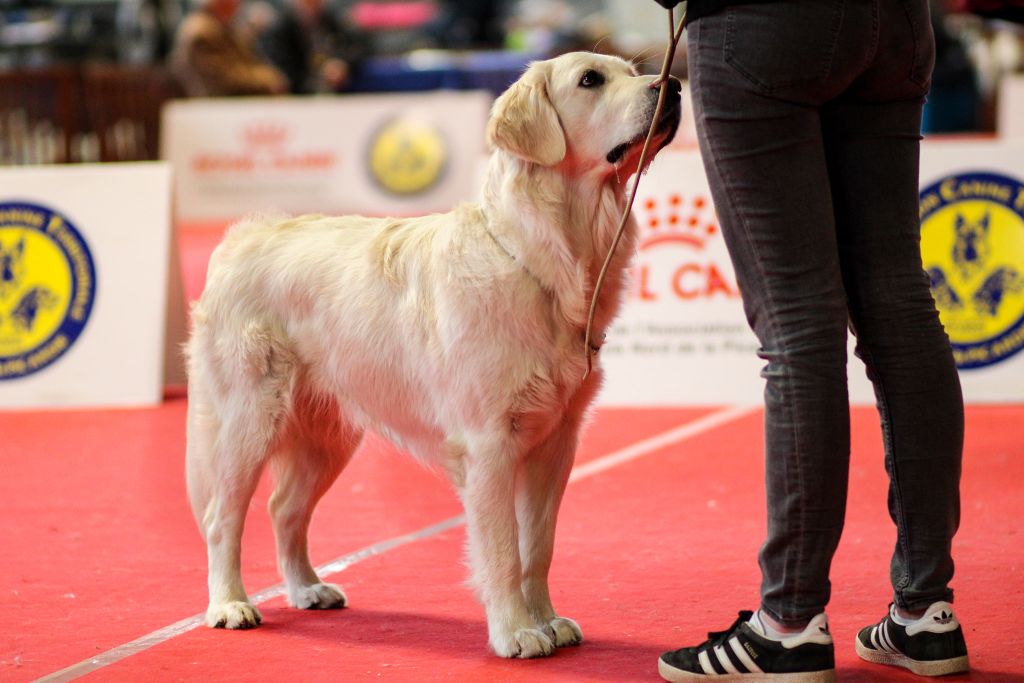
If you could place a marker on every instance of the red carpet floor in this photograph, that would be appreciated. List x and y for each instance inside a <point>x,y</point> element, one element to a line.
<point>99,549</point>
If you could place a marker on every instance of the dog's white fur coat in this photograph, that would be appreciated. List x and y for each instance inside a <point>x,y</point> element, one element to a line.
<point>459,336</point>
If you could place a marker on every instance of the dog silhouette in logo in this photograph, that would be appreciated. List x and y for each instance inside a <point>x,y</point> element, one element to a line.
<point>945,296</point>
<point>12,260</point>
<point>34,300</point>
<point>971,249</point>
<point>1001,282</point>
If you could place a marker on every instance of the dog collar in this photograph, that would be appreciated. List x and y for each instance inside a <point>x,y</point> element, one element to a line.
<point>514,259</point>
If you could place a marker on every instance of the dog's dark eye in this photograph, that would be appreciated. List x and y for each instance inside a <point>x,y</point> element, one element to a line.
<point>591,79</point>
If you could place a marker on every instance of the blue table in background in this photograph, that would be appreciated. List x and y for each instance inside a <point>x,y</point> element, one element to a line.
<point>493,71</point>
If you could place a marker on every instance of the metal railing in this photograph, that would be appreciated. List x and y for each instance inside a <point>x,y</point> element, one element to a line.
<point>86,113</point>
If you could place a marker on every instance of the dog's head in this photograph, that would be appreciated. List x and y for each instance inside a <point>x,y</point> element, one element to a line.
<point>590,109</point>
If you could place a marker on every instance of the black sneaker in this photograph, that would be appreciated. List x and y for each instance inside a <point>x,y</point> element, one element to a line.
<point>930,646</point>
<point>743,653</point>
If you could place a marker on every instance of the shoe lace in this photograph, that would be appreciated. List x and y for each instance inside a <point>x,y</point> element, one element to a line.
<point>716,638</point>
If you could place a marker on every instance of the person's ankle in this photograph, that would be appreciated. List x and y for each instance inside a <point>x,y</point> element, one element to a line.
<point>909,614</point>
<point>779,627</point>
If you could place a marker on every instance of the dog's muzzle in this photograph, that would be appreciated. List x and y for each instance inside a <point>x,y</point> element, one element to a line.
<point>668,122</point>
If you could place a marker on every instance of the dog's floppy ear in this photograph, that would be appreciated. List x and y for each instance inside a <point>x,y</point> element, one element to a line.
<point>524,122</point>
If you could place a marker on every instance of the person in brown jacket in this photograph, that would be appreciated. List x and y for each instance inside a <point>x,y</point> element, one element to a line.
<point>211,59</point>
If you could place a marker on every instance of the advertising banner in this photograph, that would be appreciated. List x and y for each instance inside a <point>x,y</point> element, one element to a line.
<point>972,244</point>
<point>682,337</point>
<point>395,154</point>
<point>84,254</point>
<point>1010,113</point>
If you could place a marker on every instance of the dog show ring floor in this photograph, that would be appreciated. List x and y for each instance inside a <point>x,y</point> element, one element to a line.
<point>104,572</point>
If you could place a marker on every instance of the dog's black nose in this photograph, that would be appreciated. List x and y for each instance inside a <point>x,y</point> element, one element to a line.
<point>675,86</point>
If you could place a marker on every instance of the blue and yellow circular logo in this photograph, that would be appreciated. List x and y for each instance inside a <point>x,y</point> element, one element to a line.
<point>47,287</point>
<point>407,156</point>
<point>972,246</point>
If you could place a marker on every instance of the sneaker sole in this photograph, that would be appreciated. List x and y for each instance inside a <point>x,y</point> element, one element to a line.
<point>939,667</point>
<point>674,675</point>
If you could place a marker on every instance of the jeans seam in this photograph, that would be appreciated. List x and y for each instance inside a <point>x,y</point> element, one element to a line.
<point>902,531</point>
<point>915,30</point>
<point>873,47</point>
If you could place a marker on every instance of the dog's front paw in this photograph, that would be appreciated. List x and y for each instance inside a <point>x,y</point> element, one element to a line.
<point>234,614</point>
<point>564,632</point>
<point>524,643</point>
<point>317,596</point>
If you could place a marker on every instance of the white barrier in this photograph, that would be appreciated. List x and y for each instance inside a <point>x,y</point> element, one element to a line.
<point>972,238</point>
<point>378,154</point>
<point>84,254</point>
<point>1010,115</point>
<point>683,339</point>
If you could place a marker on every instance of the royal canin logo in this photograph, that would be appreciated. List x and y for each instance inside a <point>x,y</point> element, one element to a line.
<point>266,148</point>
<point>265,134</point>
<point>673,219</point>
<point>687,225</point>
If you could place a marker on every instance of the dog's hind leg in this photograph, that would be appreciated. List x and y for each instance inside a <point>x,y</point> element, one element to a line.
<point>488,495</point>
<point>233,425</point>
<point>539,488</point>
<point>219,492</point>
<point>319,445</point>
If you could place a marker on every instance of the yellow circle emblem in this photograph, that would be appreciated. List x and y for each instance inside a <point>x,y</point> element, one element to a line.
<point>407,156</point>
<point>47,286</point>
<point>972,246</point>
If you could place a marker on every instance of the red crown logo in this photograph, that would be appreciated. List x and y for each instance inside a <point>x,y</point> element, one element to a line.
<point>265,134</point>
<point>676,219</point>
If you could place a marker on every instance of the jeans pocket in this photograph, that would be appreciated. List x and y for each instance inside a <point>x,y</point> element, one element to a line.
<point>782,45</point>
<point>920,27</point>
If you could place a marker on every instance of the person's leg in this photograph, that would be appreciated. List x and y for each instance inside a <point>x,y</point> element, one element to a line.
<point>872,142</point>
<point>765,162</point>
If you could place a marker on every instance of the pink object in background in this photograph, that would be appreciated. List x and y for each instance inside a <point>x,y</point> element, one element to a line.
<point>393,15</point>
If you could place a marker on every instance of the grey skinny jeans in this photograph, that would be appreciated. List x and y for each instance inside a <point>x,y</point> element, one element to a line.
<point>809,115</point>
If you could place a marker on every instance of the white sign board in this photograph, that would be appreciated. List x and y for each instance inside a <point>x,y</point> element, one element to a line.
<point>1010,115</point>
<point>682,337</point>
<point>972,235</point>
<point>398,154</point>
<point>84,254</point>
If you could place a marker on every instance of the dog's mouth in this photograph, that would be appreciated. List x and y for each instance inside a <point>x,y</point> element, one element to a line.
<point>668,124</point>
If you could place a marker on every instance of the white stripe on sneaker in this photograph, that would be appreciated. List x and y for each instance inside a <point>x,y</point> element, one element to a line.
<point>874,638</point>
<point>723,659</point>
<point>886,638</point>
<point>705,663</point>
<point>744,658</point>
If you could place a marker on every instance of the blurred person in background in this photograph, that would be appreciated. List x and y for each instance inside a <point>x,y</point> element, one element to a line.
<point>211,57</point>
<point>954,101</point>
<point>1007,10</point>
<point>312,47</point>
<point>145,30</point>
<point>465,24</point>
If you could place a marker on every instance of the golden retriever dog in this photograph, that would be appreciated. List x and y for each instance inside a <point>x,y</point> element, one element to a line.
<point>458,336</point>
